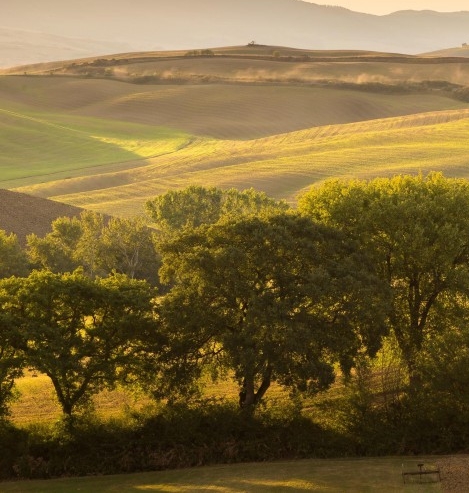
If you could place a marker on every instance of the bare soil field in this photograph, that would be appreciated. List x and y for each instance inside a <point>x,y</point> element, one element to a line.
<point>23,214</point>
<point>223,111</point>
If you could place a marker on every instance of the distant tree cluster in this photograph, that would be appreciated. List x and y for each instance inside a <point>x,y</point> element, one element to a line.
<point>205,52</point>
<point>243,286</point>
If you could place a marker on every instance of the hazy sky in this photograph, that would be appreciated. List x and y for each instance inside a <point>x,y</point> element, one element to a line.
<point>380,7</point>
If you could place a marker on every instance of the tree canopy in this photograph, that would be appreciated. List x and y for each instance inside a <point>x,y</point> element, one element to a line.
<point>78,331</point>
<point>180,210</point>
<point>97,244</point>
<point>271,298</point>
<point>13,260</point>
<point>416,229</point>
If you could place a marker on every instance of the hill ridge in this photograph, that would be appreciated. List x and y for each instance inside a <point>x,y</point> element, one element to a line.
<point>184,24</point>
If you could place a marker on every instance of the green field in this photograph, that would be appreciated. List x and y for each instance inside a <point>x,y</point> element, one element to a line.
<point>102,144</point>
<point>281,165</point>
<point>328,476</point>
<point>248,117</point>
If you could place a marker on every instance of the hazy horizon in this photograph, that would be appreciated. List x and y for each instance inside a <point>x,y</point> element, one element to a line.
<point>113,26</point>
<point>384,7</point>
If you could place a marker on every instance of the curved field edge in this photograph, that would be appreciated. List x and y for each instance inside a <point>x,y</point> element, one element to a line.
<point>282,165</point>
<point>38,146</point>
<point>320,475</point>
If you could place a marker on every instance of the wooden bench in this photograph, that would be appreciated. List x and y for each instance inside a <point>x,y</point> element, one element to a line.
<point>423,472</point>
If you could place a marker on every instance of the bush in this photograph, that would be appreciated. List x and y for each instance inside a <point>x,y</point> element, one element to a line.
<point>175,437</point>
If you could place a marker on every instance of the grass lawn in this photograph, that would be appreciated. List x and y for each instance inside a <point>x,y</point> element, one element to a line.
<point>331,476</point>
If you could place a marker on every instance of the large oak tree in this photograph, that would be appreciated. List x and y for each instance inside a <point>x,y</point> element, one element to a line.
<point>268,298</point>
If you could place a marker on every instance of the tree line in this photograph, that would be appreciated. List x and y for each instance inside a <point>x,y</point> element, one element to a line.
<point>245,287</point>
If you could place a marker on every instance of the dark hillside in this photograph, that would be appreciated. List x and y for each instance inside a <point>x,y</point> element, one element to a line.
<point>23,214</point>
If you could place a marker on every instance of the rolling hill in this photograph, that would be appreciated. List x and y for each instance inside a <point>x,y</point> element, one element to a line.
<point>274,118</point>
<point>281,165</point>
<point>185,24</point>
<point>460,51</point>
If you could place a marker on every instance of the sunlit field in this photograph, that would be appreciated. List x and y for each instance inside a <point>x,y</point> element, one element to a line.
<point>283,165</point>
<point>84,134</point>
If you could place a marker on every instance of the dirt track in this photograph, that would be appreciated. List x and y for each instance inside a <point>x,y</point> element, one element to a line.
<point>454,473</point>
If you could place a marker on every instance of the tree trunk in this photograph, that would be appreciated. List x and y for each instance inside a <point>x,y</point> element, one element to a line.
<point>248,397</point>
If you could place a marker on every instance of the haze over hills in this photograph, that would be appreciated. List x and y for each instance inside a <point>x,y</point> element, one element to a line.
<point>186,24</point>
<point>19,47</point>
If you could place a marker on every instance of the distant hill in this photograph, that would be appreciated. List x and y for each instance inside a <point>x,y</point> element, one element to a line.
<point>186,24</point>
<point>460,51</point>
<point>23,214</point>
<point>20,47</point>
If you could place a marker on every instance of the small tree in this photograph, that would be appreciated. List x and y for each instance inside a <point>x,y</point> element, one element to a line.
<point>127,247</point>
<point>13,260</point>
<point>99,245</point>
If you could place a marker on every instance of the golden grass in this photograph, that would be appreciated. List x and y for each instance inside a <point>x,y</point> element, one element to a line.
<point>281,165</point>
<point>37,402</point>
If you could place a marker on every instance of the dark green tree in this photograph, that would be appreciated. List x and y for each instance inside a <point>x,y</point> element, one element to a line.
<point>12,360</point>
<point>13,261</point>
<point>270,298</point>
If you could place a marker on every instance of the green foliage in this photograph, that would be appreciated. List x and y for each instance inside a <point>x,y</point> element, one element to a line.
<point>12,359</point>
<point>127,247</point>
<point>271,298</point>
<point>77,331</point>
<point>173,437</point>
<point>177,211</point>
<point>13,261</point>
<point>369,276</point>
<point>417,231</point>
<point>57,250</point>
<point>97,244</point>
